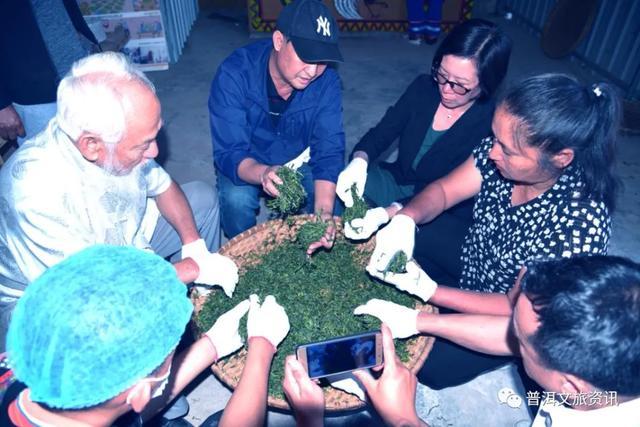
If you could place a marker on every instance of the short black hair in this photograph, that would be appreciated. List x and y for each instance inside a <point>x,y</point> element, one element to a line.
<point>485,43</point>
<point>589,313</point>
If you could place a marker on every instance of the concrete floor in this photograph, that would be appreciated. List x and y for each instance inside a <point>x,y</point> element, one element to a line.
<point>376,72</point>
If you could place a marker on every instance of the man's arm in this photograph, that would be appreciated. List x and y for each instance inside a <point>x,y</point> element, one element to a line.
<point>256,173</point>
<point>325,195</point>
<point>174,207</point>
<point>327,144</point>
<point>248,403</point>
<point>472,302</point>
<point>230,132</point>
<point>483,333</point>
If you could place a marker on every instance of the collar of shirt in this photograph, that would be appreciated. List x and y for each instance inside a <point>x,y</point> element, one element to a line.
<point>277,104</point>
<point>623,415</point>
<point>68,149</point>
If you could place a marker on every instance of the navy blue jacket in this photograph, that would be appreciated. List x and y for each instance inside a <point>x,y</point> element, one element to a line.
<point>241,126</point>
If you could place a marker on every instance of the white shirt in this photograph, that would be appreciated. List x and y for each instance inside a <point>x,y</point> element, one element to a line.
<point>623,415</point>
<point>53,203</point>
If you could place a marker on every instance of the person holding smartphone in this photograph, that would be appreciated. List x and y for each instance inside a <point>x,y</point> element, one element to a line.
<point>393,394</point>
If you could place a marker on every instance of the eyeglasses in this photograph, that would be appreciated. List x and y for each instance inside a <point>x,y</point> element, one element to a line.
<point>457,88</point>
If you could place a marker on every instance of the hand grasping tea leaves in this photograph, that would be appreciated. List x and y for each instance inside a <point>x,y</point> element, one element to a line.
<point>292,194</point>
<point>357,210</point>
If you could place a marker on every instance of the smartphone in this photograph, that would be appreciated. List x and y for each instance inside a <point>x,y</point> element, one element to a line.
<point>343,354</point>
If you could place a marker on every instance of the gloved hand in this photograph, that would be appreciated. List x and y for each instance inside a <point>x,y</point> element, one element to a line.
<point>363,228</point>
<point>224,333</point>
<point>401,320</point>
<point>269,320</point>
<point>194,250</point>
<point>355,172</point>
<point>303,158</point>
<point>415,281</point>
<point>347,383</point>
<point>398,235</point>
<point>215,269</point>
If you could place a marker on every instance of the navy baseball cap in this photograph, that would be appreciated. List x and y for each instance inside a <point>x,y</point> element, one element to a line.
<point>312,29</point>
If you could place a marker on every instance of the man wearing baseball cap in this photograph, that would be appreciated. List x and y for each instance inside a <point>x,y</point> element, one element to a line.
<point>277,102</point>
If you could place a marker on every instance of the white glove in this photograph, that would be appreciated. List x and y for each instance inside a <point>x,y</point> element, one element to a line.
<point>214,269</point>
<point>355,172</point>
<point>415,281</point>
<point>401,320</point>
<point>303,158</point>
<point>269,320</point>
<point>347,383</point>
<point>195,250</point>
<point>398,235</point>
<point>224,333</point>
<point>363,228</point>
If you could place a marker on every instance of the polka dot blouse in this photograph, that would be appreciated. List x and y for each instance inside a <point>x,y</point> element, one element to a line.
<point>558,223</point>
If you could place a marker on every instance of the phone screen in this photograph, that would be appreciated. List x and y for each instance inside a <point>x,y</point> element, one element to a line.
<point>342,354</point>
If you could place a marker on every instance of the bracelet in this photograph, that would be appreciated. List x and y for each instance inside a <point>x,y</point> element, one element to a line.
<point>206,335</point>
<point>397,205</point>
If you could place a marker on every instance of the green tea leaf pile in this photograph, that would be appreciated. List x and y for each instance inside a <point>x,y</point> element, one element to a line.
<point>318,294</point>
<point>292,194</point>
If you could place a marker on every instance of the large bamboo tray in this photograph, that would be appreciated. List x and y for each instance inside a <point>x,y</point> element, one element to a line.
<point>263,238</point>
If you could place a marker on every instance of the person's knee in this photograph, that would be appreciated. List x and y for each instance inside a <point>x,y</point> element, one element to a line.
<point>434,380</point>
<point>240,198</point>
<point>202,197</point>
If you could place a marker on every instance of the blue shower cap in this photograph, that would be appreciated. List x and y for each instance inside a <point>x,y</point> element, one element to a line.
<point>96,323</point>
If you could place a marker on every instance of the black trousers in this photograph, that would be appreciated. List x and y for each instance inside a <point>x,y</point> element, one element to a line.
<point>438,247</point>
<point>450,365</point>
<point>438,250</point>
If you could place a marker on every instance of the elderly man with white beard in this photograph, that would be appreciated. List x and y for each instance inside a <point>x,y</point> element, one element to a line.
<point>90,178</point>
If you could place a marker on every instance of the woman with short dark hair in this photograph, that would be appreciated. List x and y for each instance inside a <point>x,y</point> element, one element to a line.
<point>438,121</point>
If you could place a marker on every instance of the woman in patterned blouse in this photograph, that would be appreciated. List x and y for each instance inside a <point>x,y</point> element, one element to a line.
<point>543,186</point>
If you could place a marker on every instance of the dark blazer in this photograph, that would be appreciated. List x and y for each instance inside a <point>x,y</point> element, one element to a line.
<point>409,120</point>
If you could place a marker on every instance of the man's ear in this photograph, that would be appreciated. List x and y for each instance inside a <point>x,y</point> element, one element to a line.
<point>90,146</point>
<point>563,158</point>
<point>278,40</point>
<point>573,385</point>
<point>514,292</point>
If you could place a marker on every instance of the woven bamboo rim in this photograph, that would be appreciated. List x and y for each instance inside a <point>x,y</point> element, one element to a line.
<point>263,238</point>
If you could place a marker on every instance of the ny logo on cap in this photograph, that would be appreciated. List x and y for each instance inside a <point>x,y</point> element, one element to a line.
<point>323,24</point>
